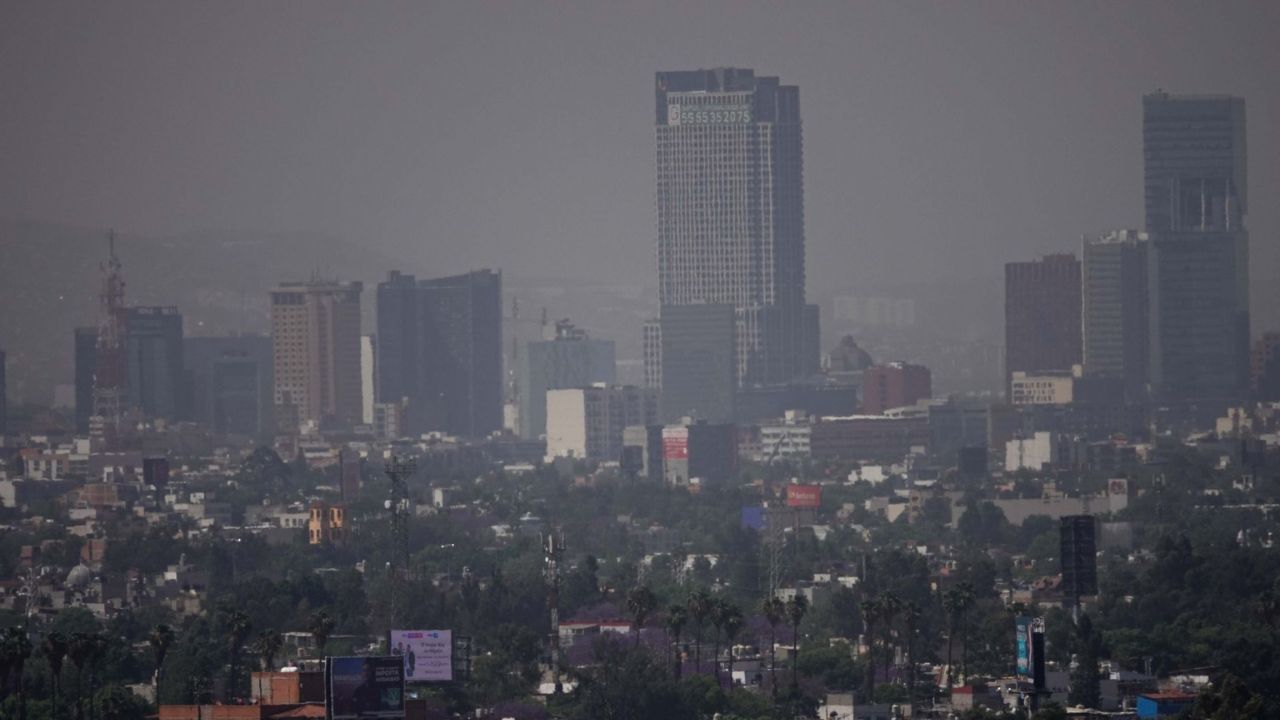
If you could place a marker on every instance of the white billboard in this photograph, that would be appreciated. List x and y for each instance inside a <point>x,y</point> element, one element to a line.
<point>428,654</point>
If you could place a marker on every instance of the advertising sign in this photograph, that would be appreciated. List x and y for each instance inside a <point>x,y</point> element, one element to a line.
<point>1023,639</point>
<point>804,496</point>
<point>675,443</point>
<point>361,688</point>
<point>427,654</point>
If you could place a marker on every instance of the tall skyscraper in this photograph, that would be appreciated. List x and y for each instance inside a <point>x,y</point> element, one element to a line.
<point>315,335</point>
<point>1042,315</point>
<point>4,405</point>
<point>439,346</point>
<point>154,384</point>
<point>569,359</point>
<point>1196,184</point>
<point>1114,296</point>
<point>730,224</point>
<point>231,383</point>
<point>699,371</point>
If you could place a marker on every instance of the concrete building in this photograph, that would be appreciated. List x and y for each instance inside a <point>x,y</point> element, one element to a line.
<point>231,383</point>
<point>893,385</point>
<point>1264,368</point>
<point>1033,453</point>
<point>1115,306</point>
<point>699,371</point>
<point>315,335</point>
<point>787,440</point>
<point>699,453</point>
<point>1041,388</point>
<point>1042,309</point>
<point>440,347</point>
<point>154,385</point>
<point>368,378</point>
<point>653,354</point>
<point>588,422</point>
<point>730,211</point>
<point>568,359</point>
<point>4,395</point>
<point>1196,192</point>
<point>869,437</point>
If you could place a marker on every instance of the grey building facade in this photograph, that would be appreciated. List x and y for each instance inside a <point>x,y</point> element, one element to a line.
<point>571,359</point>
<point>730,211</point>
<point>1115,309</point>
<point>231,383</point>
<point>1195,182</point>
<point>440,351</point>
<point>699,365</point>
<point>155,386</point>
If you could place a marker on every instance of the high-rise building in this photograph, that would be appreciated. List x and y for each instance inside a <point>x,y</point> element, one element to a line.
<point>1114,296</point>
<point>231,383</point>
<point>699,369</point>
<point>1042,315</point>
<point>730,224</point>
<point>439,346</point>
<point>570,359</point>
<point>315,335</point>
<point>894,385</point>
<point>368,377</point>
<point>86,361</point>
<point>1196,186</point>
<point>588,422</point>
<point>154,383</point>
<point>1264,368</point>
<point>652,348</point>
<point>4,405</point>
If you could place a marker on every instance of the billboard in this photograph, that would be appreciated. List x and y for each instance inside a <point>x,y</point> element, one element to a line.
<point>675,443</point>
<point>804,496</point>
<point>427,654</point>
<point>1029,638</point>
<point>361,688</point>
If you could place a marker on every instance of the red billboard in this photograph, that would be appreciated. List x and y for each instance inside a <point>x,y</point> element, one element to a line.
<point>675,443</point>
<point>804,496</point>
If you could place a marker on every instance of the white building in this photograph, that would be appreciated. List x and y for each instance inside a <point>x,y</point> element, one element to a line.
<point>1042,389</point>
<point>588,422</point>
<point>1031,453</point>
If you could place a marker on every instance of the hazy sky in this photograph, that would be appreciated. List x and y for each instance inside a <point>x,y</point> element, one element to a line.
<point>940,137</point>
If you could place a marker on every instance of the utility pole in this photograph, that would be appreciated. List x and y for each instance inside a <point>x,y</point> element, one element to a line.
<point>399,471</point>
<point>553,549</point>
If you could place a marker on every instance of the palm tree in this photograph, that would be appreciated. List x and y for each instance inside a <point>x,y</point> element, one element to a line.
<point>797,607</point>
<point>774,610</point>
<point>699,607</point>
<point>160,640</point>
<point>269,644</point>
<point>238,628</point>
<point>55,649</point>
<point>951,602</point>
<point>16,647</point>
<point>967,599</point>
<point>731,623</point>
<point>913,614</point>
<point>718,610</point>
<point>890,608</point>
<point>641,603</point>
<point>320,625</point>
<point>677,616</point>
<point>80,649</point>
<point>870,609</point>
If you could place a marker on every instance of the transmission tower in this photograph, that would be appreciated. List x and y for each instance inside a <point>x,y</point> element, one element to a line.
<point>109,365</point>
<point>399,471</point>
<point>553,549</point>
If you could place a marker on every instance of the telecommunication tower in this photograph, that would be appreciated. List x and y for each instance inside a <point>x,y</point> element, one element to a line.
<point>109,366</point>
<point>399,471</point>
<point>553,549</point>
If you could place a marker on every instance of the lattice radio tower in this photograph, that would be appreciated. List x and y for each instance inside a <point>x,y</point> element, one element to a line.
<point>553,549</point>
<point>399,471</point>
